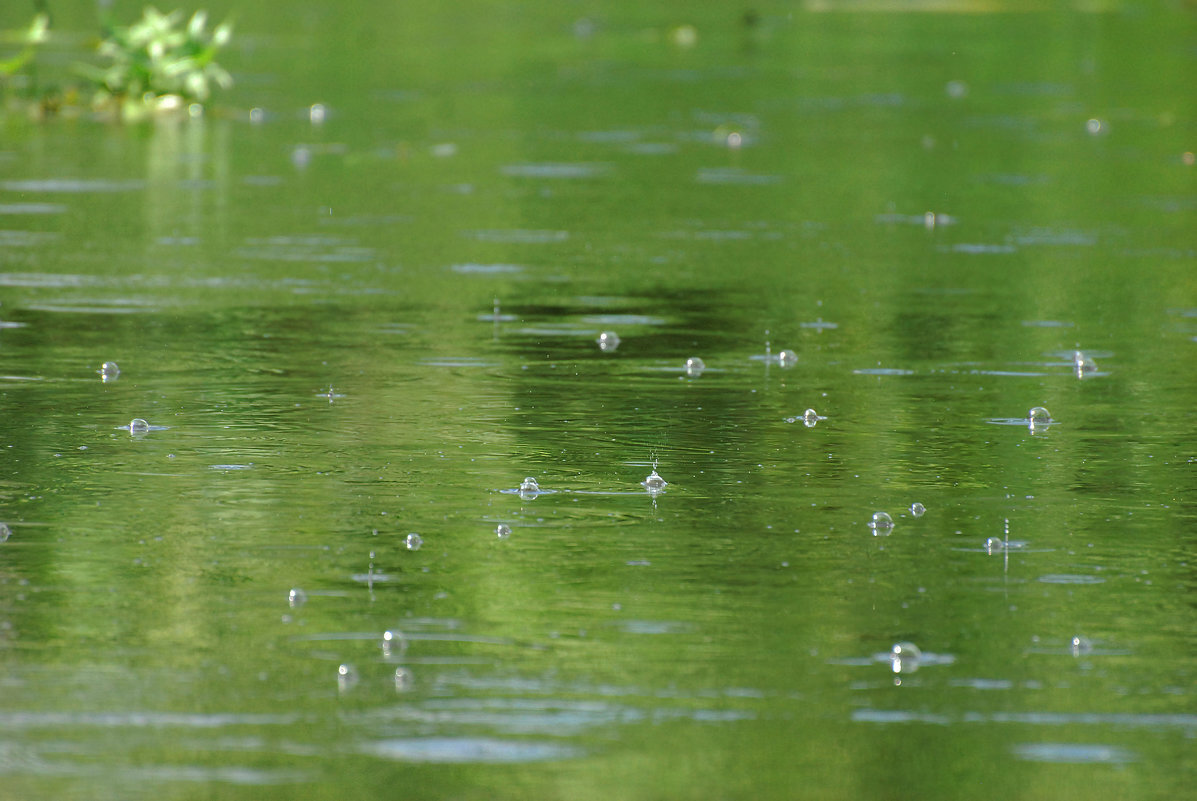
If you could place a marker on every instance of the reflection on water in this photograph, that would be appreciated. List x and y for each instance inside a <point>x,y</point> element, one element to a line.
<point>351,313</point>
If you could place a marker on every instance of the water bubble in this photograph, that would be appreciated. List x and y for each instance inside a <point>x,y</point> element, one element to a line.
<point>138,426</point>
<point>1081,645</point>
<point>5,532</point>
<point>502,531</point>
<point>695,366</point>
<point>297,597</point>
<point>257,115</point>
<point>346,676</point>
<point>393,643</point>
<point>413,541</point>
<point>109,371</point>
<point>917,509</point>
<point>810,417</point>
<point>654,483</point>
<point>956,89</point>
<point>1039,417</point>
<point>404,680</point>
<point>787,358</point>
<point>994,545</point>
<point>1095,126</point>
<point>529,484</point>
<point>904,657</point>
<point>1083,364</point>
<point>608,341</point>
<point>882,524</point>
<point>735,140</point>
<point>317,113</point>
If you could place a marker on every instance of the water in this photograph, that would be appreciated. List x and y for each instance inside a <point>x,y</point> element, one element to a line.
<point>348,329</point>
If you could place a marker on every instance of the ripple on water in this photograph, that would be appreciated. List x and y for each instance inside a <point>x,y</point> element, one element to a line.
<point>71,186</point>
<point>734,175</point>
<point>1074,753</point>
<point>557,170</point>
<point>519,236</point>
<point>467,750</point>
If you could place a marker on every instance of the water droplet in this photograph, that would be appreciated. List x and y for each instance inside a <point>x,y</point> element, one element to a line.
<point>882,524</point>
<point>1083,364</point>
<point>5,532</point>
<point>138,426</point>
<point>1039,417</point>
<point>695,366</point>
<point>994,545</point>
<point>529,485</point>
<point>1095,126</point>
<point>256,115</point>
<point>404,680</point>
<point>317,113</point>
<point>503,531</point>
<point>810,418</point>
<point>608,341</point>
<point>904,657</point>
<point>787,358</point>
<point>917,509</point>
<point>654,483</point>
<point>109,371</point>
<point>1081,645</point>
<point>346,676</point>
<point>413,541</point>
<point>297,597</point>
<point>393,643</point>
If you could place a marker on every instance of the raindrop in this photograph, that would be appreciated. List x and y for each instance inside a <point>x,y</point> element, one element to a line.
<point>297,597</point>
<point>138,426</point>
<point>5,532</point>
<point>917,509</point>
<point>109,371</point>
<point>882,524</point>
<point>1038,417</point>
<point>413,541</point>
<point>654,483</point>
<point>404,680</point>
<point>1083,364</point>
<point>346,676</point>
<point>787,358</point>
<point>529,485</point>
<point>393,643</point>
<point>904,657</point>
<point>695,366</point>
<point>502,531</point>
<point>608,341</point>
<point>1081,645</point>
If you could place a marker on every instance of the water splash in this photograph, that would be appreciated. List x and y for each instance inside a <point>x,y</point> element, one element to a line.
<point>654,483</point>
<point>1082,364</point>
<point>810,418</point>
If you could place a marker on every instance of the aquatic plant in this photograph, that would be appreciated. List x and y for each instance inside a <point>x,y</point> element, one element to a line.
<point>158,62</point>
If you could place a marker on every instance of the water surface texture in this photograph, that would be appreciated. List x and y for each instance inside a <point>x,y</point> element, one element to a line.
<point>803,263</point>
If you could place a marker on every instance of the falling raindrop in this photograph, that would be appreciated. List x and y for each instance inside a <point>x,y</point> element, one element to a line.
<point>882,524</point>
<point>138,426</point>
<point>608,341</point>
<point>654,483</point>
<point>109,371</point>
<point>297,597</point>
<point>413,541</point>
<point>695,366</point>
<point>917,509</point>
<point>502,531</point>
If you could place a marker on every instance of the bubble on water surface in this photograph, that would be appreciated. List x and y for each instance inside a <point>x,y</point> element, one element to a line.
<point>317,113</point>
<point>529,484</point>
<point>882,524</point>
<point>1080,645</point>
<point>956,89</point>
<point>404,680</point>
<point>608,341</point>
<point>695,366</point>
<point>1083,364</point>
<point>346,676</point>
<point>502,531</point>
<point>413,541</point>
<point>297,597</point>
<point>109,371</point>
<point>1038,417</point>
<point>393,643</point>
<point>917,509</point>
<point>905,657</point>
<point>1095,127</point>
<point>994,545</point>
<point>654,483</point>
<point>5,532</point>
<point>138,426</point>
<point>787,358</point>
